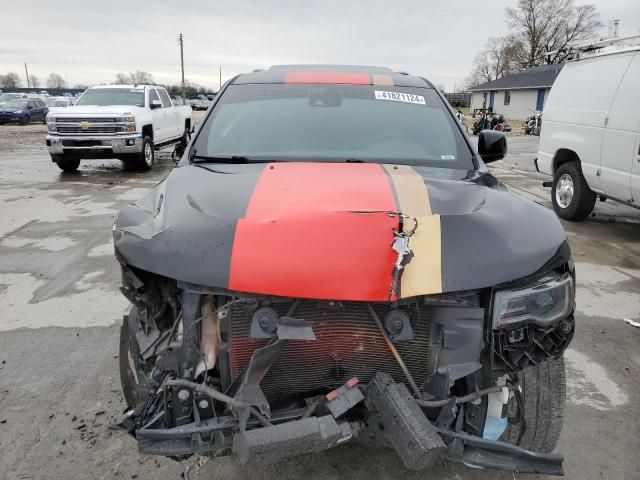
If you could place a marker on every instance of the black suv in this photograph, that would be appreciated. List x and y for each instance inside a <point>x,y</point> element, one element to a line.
<point>331,259</point>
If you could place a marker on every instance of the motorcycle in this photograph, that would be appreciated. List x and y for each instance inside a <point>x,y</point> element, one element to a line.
<point>491,121</point>
<point>533,123</point>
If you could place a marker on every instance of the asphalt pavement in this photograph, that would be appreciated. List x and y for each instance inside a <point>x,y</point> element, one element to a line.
<point>60,311</point>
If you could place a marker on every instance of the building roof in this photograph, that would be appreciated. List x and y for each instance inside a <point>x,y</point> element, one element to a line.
<point>332,74</point>
<point>534,77</point>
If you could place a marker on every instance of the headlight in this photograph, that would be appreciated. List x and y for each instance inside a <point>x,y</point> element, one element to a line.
<point>544,302</point>
<point>52,127</point>
<point>18,112</point>
<point>129,119</point>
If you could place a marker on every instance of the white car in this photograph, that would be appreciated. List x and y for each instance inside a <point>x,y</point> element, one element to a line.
<point>590,139</point>
<point>128,122</point>
<point>57,104</point>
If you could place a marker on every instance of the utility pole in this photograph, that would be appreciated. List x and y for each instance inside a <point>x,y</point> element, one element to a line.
<point>181,42</point>
<point>27,72</point>
<point>220,79</point>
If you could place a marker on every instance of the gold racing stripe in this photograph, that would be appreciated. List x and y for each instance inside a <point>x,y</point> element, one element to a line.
<point>381,79</point>
<point>423,274</point>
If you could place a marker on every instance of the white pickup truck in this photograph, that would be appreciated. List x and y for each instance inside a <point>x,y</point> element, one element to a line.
<point>128,122</point>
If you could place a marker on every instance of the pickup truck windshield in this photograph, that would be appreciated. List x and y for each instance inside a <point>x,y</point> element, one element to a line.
<point>113,96</point>
<point>333,123</point>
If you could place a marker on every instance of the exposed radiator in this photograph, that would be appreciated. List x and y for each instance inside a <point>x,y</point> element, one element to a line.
<point>347,344</point>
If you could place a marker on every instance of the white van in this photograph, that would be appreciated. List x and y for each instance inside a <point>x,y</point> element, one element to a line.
<point>590,139</point>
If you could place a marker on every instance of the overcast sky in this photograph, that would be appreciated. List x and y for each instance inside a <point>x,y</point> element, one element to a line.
<point>88,42</point>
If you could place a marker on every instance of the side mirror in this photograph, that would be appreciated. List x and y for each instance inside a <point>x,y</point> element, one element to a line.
<point>29,107</point>
<point>492,145</point>
<point>155,104</point>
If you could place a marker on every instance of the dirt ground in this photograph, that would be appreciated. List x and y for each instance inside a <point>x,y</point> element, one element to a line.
<point>60,311</point>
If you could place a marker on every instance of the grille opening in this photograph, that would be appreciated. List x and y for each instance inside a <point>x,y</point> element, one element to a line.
<point>348,344</point>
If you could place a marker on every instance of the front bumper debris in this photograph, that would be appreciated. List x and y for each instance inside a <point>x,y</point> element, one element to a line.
<point>115,145</point>
<point>393,411</point>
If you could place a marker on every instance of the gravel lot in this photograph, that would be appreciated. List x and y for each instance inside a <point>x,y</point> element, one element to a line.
<point>60,313</point>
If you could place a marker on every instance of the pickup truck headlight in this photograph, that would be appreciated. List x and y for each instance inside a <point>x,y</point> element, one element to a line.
<point>51,127</point>
<point>129,119</point>
<point>544,302</point>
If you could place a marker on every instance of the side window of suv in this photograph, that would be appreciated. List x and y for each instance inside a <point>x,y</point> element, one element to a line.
<point>152,95</point>
<point>166,101</point>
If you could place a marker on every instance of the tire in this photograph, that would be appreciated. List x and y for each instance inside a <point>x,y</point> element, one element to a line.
<point>25,120</point>
<point>147,156</point>
<point>133,391</point>
<point>66,163</point>
<point>570,194</point>
<point>543,391</point>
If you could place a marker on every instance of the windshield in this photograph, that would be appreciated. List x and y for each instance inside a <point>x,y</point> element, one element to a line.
<point>334,123</point>
<point>16,104</point>
<point>113,96</point>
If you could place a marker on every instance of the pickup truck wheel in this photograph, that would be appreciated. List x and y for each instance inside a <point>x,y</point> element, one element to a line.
<point>147,155</point>
<point>66,163</point>
<point>570,194</point>
<point>543,393</point>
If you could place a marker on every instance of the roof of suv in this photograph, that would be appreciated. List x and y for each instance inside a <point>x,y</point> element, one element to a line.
<point>332,74</point>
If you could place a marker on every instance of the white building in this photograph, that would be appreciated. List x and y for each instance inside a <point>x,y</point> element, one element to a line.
<point>515,96</point>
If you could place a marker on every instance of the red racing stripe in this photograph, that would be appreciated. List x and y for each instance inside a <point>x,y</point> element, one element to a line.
<point>328,77</point>
<point>302,235</point>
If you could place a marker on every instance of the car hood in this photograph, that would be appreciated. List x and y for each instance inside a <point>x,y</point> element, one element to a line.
<point>97,111</point>
<point>10,109</point>
<point>325,230</point>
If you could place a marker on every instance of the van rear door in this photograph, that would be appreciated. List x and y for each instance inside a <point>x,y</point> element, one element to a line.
<point>620,140</point>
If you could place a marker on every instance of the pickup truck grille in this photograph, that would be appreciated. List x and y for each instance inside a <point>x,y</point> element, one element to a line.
<point>86,126</point>
<point>90,120</point>
<point>90,130</point>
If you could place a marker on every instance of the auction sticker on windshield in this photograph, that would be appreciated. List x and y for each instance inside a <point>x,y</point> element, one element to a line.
<point>400,97</point>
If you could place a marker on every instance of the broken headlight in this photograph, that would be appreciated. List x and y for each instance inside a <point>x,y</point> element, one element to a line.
<point>544,302</point>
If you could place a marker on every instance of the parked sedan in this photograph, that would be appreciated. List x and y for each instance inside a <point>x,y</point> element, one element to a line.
<point>199,104</point>
<point>24,111</point>
<point>7,97</point>
<point>58,103</point>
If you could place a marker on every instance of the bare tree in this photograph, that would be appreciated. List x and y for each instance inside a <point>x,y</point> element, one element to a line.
<point>35,81</point>
<point>10,80</point>
<point>55,80</point>
<point>140,77</point>
<point>121,78</point>
<point>81,86</point>
<point>543,26</point>
<point>495,60</point>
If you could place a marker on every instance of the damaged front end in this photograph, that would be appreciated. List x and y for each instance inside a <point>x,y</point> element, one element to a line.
<point>209,371</point>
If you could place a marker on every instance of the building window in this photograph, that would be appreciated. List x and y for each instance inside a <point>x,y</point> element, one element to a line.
<point>507,97</point>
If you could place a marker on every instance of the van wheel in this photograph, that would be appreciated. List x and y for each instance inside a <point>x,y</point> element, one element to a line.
<point>66,163</point>
<point>537,422</point>
<point>570,194</point>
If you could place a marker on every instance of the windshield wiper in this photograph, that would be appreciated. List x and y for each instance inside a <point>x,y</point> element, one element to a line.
<point>226,159</point>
